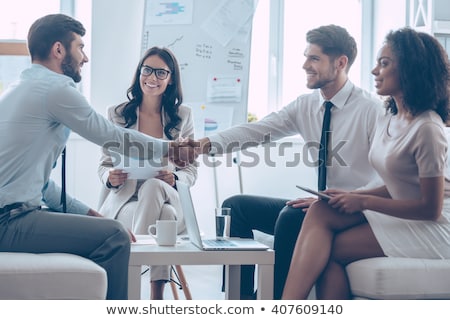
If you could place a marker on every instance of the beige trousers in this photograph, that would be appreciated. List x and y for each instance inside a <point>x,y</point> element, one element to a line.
<point>156,200</point>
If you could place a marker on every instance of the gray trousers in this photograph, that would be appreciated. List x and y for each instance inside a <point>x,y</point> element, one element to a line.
<point>104,241</point>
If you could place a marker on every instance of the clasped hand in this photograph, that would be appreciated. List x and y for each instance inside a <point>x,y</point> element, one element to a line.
<point>183,151</point>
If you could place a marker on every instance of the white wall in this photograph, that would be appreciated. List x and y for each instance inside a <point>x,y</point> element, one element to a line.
<point>388,15</point>
<point>116,44</point>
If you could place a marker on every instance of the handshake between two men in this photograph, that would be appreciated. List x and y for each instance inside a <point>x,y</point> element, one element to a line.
<point>184,151</point>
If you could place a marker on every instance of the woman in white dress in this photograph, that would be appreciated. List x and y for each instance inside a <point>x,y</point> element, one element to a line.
<point>154,108</point>
<point>409,216</point>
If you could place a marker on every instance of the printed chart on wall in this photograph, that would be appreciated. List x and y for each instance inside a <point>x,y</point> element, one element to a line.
<point>211,41</point>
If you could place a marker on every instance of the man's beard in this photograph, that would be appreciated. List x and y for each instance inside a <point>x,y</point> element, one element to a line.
<point>319,84</point>
<point>324,79</point>
<point>69,68</point>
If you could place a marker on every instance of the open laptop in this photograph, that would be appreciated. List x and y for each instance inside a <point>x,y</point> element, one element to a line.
<point>194,231</point>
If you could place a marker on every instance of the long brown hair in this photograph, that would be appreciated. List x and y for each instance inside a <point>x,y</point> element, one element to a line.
<point>172,97</point>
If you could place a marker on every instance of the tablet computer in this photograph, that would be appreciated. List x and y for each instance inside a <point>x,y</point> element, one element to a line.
<point>321,195</point>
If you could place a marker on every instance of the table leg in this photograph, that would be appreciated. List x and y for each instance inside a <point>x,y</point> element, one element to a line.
<point>232,282</point>
<point>265,282</point>
<point>134,282</point>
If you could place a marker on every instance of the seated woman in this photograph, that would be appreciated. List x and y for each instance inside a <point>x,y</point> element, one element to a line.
<point>410,215</point>
<point>154,108</point>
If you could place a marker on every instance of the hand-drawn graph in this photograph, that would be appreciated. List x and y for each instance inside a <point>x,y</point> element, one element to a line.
<point>214,76</point>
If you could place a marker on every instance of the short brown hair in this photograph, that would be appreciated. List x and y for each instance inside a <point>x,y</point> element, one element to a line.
<point>49,29</point>
<point>335,41</point>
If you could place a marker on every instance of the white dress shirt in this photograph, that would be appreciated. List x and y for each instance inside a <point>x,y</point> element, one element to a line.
<point>353,121</point>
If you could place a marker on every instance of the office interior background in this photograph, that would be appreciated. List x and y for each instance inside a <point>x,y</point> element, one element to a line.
<point>113,44</point>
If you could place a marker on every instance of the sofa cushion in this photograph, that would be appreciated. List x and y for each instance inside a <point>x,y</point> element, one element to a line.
<point>400,278</point>
<point>50,276</point>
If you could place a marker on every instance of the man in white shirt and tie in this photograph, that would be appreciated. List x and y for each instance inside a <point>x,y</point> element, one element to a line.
<point>329,54</point>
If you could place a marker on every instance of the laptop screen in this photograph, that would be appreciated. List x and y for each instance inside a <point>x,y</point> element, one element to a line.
<point>189,213</point>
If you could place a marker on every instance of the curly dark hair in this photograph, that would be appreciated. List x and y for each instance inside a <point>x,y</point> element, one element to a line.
<point>172,97</point>
<point>423,72</point>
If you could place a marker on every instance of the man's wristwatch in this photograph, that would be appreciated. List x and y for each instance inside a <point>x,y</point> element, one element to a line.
<point>110,186</point>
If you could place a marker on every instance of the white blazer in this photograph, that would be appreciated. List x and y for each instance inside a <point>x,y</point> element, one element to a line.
<point>112,200</point>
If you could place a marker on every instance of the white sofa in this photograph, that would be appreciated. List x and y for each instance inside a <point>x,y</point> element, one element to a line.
<point>400,278</point>
<point>393,278</point>
<point>62,276</point>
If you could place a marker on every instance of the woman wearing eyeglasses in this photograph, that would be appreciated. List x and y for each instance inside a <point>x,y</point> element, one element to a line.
<point>154,108</point>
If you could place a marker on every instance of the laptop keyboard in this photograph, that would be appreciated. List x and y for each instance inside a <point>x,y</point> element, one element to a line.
<point>219,243</point>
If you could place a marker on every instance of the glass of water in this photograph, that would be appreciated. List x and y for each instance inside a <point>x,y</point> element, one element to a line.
<point>223,222</point>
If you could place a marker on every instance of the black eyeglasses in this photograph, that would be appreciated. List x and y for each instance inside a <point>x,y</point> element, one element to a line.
<point>160,74</point>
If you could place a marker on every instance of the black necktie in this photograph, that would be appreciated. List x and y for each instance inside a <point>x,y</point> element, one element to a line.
<point>63,180</point>
<point>323,151</point>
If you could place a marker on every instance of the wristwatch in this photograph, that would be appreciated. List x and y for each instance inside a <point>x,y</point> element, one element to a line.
<point>110,186</point>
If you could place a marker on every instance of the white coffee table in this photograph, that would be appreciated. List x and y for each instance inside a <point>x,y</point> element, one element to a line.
<point>185,253</point>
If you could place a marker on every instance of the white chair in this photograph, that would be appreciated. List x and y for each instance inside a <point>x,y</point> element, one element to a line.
<point>399,278</point>
<point>62,276</point>
<point>394,278</point>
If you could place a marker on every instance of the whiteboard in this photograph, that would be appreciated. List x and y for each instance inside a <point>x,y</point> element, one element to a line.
<point>211,41</point>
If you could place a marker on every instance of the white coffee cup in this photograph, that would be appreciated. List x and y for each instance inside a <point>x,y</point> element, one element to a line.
<point>164,232</point>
